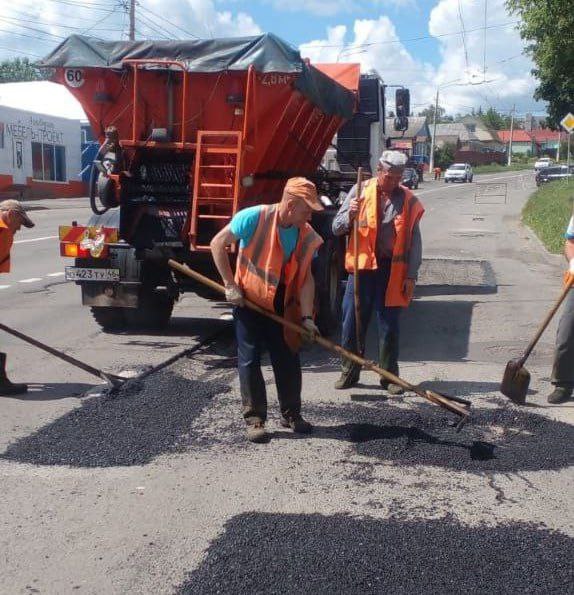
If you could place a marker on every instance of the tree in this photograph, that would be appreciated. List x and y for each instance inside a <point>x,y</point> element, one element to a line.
<point>444,156</point>
<point>428,113</point>
<point>547,27</point>
<point>19,70</point>
<point>494,120</point>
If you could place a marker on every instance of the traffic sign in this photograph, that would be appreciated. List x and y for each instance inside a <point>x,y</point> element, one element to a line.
<point>567,122</point>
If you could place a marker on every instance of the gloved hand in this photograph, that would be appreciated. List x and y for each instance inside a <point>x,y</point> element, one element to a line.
<point>312,330</point>
<point>234,295</point>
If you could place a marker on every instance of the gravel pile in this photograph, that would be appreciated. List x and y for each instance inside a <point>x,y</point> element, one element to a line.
<point>279,553</point>
<point>506,439</point>
<point>139,423</point>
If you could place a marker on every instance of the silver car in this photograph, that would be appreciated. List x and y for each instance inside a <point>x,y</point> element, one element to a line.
<point>458,172</point>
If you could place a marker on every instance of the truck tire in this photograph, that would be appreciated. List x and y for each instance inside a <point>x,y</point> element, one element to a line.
<point>153,312</point>
<point>109,319</point>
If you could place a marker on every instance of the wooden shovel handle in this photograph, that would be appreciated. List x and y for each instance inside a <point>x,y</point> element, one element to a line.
<point>356,286</point>
<point>547,320</point>
<point>429,395</point>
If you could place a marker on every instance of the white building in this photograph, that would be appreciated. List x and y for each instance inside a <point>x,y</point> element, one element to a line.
<point>40,151</point>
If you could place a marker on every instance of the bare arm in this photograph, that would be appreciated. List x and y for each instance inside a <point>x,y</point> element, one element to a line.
<point>307,296</point>
<point>569,250</point>
<point>218,247</point>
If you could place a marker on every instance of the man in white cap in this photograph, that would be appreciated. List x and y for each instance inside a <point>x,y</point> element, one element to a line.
<point>12,217</point>
<point>389,256</point>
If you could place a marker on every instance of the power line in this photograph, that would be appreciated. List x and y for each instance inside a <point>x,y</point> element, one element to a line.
<point>421,38</point>
<point>15,51</point>
<point>98,22</point>
<point>167,21</point>
<point>463,34</point>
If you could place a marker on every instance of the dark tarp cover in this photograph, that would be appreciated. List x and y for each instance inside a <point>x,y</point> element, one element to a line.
<point>266,53</point>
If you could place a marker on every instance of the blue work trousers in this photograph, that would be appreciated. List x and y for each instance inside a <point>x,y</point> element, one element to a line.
<point>256,333</point>
<point>372,290</point>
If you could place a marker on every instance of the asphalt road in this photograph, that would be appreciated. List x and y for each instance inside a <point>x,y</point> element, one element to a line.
<point>156,491</point>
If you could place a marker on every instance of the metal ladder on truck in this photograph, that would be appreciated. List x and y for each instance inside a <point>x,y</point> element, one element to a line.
<point>216,184</point>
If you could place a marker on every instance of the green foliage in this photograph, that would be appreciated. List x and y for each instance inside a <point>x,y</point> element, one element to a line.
<point>547,212</point>
<point>19,70</point>
<point>495,168</point>
<point>444,156</point>
<point>428,113</point>
<point>548,28</point>
<point>494,120</point>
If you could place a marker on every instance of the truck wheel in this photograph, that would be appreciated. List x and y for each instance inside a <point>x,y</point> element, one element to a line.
<point>109,319</point>
<point>153,312</point>
<point>330,295</point>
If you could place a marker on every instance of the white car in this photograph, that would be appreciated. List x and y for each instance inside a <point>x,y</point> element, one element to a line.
<point>542,163</point>
<point>458,172</point>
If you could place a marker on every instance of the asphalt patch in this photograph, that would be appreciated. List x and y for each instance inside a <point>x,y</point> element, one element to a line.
<point>131,427</point>
<point>284,553</point>
<point>505,439</point>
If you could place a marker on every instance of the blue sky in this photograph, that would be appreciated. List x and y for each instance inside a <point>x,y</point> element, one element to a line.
<point>470,69</point>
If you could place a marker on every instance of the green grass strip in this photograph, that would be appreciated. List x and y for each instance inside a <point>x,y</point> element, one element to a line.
<point>548,211</point>
<point>495,168</point>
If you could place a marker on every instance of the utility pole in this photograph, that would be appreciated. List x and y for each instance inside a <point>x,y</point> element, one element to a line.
<point>132,20</point>
<point>568,158</point>
<point>510,139</point>
<point>558,150</point>
<point>431,160</point>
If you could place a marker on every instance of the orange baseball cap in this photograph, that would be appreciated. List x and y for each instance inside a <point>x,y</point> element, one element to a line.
<point>305,190</point>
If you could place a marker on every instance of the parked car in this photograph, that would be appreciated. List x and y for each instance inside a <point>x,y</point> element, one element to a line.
<point>553,173</point>
<point>410,178</point>
<point>542,163</point>
<point>458,172</point>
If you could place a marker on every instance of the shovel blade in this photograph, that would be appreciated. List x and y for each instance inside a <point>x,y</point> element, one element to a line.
<point>515,382</point>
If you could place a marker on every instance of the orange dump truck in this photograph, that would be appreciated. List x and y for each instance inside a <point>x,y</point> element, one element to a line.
<point>196,130</point>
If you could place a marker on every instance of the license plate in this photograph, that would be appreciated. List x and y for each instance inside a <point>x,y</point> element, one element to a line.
<point>85,274</point>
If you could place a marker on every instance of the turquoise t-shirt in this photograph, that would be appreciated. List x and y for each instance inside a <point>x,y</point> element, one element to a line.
<point>570,230</point>
<point>244,224</point>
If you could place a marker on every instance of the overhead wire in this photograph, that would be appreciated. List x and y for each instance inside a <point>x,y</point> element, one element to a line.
<point>463,34</point>
<point>158,16</point>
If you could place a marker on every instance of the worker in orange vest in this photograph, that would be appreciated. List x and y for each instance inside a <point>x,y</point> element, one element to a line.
<point>12,217</point>
<point>276,248</point>
<point>389,256</point>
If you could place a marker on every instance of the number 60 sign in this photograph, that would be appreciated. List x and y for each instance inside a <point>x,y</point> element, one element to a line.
<point>74,77</point>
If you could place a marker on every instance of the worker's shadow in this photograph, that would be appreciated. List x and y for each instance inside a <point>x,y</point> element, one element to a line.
<point>52,391</point>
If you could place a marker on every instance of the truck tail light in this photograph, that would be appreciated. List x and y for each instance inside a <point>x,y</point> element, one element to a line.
<point>71,250</point>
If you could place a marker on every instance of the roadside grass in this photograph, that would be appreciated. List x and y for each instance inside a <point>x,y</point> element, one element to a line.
<point>495,168</point>
<point>548,211</point>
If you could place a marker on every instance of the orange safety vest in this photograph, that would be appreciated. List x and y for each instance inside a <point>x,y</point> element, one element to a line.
<point>6,239</point>
<point>404,223</point>
<point>260,268</point>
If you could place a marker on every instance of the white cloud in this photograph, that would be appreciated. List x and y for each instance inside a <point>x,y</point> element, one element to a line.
<point>375,44</point>
<point>35,27</point>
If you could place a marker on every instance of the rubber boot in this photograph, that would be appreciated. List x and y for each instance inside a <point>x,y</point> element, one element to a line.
<point>560,394</point>
<point>8,388</point>
<point>388,360</point>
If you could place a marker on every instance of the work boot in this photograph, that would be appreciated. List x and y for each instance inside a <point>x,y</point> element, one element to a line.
<point>256,433</point>
<point>350,374</point>
<point>391,388</point>
<point>560,394</point>
<point>8,388</point>
<point>297,424</point>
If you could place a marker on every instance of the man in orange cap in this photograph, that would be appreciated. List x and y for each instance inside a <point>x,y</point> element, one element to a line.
<point>12,217</point>
<point>276,248</point>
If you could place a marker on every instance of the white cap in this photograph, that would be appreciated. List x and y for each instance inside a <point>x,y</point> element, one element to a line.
<point>393,159</point>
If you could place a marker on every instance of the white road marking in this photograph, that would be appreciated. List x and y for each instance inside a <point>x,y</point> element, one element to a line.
<point>5,286</point>
<point>31,280</point>
<point>35,240</point>
<point>59,274</point>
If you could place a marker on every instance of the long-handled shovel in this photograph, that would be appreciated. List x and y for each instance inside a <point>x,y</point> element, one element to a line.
<point>516,377</point>
<point>455,405</point>
<point>356,286</point>
<point>113,380</point>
